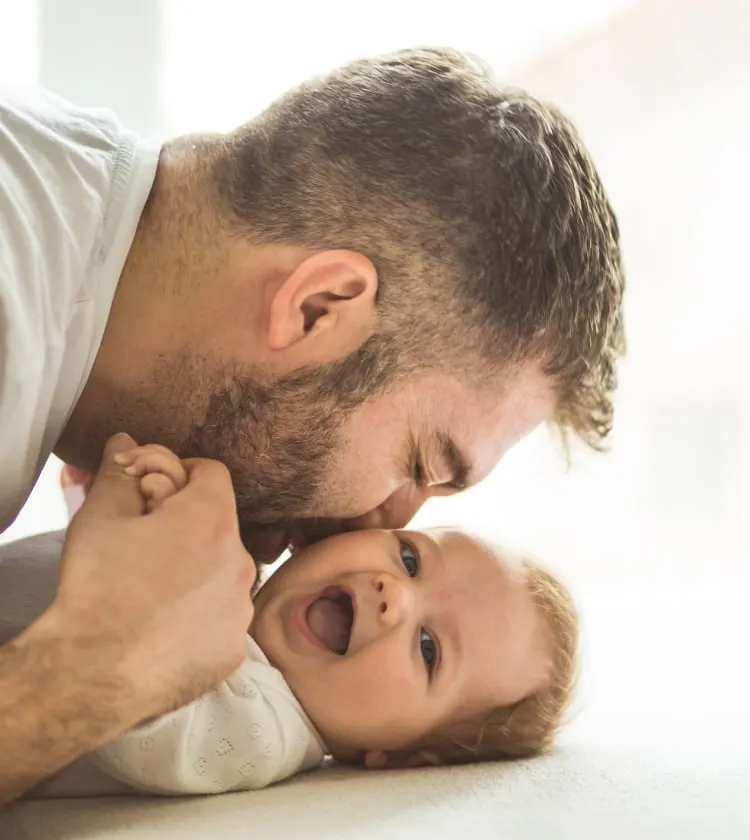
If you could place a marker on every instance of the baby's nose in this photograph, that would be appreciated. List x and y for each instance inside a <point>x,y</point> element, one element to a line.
<point>394,599</point>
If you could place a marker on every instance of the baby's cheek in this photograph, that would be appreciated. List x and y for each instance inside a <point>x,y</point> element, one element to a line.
<point>383,685</point>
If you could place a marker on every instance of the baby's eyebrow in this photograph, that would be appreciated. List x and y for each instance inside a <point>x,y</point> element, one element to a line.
<point>448,628</point>
<point>459,465</point>
<point>454,634</point>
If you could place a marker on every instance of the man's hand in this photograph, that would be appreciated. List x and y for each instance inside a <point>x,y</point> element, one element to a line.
<point>151,611</point>
<point>172,588</point>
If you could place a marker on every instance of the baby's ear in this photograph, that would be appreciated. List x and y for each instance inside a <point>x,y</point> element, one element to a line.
<point>375,759</point>
<point>400,759</point>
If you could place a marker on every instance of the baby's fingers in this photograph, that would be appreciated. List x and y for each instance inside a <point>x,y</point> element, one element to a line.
<point>150,459</point>
<point>156,487</point>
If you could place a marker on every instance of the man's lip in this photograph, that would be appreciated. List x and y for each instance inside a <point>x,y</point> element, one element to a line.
<point>300,618</point>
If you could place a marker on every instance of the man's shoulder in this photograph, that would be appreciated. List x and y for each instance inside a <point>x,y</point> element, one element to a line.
<point>56,164</point>
<point>42,116</point>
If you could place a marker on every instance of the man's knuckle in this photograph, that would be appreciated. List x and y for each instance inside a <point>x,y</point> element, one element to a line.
<point>225,525</point>
<point>213,526</point>
<point>220,471</point>
<point>247,571</point>
<point>237,651</point>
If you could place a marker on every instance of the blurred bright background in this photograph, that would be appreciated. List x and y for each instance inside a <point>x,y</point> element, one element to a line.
<point>654,536</point>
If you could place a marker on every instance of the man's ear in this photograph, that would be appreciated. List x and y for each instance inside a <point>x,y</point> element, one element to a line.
<point>399,759</point>
<point>324,309</point>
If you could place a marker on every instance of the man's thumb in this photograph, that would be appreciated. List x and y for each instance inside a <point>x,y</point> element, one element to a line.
<point>114,492</point>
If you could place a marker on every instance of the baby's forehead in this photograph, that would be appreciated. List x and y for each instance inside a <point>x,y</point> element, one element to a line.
<point>489,578</point>
<point>503,618</point>
<point>458,542</point>
<point>503,653</point>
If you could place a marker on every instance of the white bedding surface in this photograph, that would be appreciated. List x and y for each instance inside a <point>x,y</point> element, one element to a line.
<point>663,751</point>
<point>581,792</point>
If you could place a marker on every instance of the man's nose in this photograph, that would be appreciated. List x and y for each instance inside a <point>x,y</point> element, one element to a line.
<point>395,512</point>
<point>394,599</point>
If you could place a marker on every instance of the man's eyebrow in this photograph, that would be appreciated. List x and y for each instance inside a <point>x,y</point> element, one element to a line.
<point>459,466</point>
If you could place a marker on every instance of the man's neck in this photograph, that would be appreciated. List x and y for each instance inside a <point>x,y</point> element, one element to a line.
<point>192,300</point>
<point>152,310</point>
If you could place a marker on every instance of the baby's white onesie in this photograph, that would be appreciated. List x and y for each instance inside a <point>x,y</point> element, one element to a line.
<point>248,733</point>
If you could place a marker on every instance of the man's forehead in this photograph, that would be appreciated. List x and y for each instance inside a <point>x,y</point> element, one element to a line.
<point>469,444</point>
<point>475,428</point>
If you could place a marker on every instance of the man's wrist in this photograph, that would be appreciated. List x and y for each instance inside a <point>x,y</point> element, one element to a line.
<point>84,696</point>
<point>61,696</point>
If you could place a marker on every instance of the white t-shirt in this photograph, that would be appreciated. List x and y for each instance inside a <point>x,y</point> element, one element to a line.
<point>73,184</point>
<point>246,734</point>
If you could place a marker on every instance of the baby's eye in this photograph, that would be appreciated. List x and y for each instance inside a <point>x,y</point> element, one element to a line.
<point>410,559</point>
<point>429,649</point>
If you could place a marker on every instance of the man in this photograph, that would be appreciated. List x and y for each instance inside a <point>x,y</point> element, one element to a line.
<point>359,299</point>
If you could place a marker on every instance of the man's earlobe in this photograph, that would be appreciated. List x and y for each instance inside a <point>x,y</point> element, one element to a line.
<point>330,295</point>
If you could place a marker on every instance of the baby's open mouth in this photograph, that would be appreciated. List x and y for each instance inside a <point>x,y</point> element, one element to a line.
<point>330,617</point>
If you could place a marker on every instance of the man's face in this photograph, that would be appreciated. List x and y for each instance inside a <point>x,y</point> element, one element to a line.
<point>307,462</point>
<point>274,384</point>
<point>375,466</point>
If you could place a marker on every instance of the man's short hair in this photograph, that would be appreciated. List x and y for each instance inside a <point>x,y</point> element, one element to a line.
<point>480,207</point>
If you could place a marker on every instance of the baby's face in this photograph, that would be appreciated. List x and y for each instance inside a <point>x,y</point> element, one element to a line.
<point>385,635</point>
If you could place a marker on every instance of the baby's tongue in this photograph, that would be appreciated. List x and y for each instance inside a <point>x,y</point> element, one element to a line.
<point>331,622</point>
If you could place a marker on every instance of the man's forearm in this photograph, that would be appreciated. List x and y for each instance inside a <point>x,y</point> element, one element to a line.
<point>58,700</point>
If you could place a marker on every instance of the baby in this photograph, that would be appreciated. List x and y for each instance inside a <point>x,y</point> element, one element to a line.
<point>383,648</point>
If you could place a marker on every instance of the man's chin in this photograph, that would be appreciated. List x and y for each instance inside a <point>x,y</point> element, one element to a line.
<point>266,546</point>
<point>308,531</point>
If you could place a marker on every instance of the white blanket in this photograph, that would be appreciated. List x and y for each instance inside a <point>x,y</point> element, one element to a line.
<point>582,793</point>
<point>686,786</point>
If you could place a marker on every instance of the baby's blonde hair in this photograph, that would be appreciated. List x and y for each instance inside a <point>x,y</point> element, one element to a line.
<point>527,727</point>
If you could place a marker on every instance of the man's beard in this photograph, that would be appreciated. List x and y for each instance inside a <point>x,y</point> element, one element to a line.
<point>278,439</point>
<point>278,442</point>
